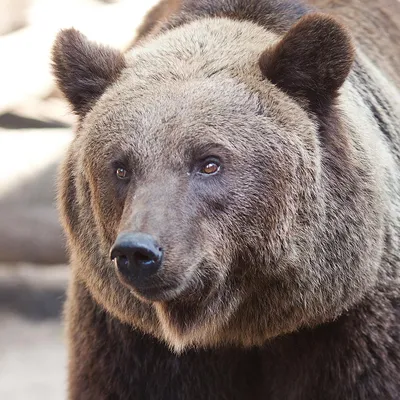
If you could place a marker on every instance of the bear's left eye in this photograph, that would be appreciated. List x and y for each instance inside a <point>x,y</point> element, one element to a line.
<point>122,173</point>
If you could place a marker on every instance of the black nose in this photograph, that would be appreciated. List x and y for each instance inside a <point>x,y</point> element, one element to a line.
<point>136,255</point>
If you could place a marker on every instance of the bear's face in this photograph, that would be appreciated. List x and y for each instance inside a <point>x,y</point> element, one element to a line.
<point>205,223</point>
<point>192,143</point>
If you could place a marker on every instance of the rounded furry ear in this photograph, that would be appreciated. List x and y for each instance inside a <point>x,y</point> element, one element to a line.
<point>312,60</point>
<point>84,69</point>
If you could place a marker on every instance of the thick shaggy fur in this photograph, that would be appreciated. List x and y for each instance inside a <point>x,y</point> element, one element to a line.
<point>282,271</point>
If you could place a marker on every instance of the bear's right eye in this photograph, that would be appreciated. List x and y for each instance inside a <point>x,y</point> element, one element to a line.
<point>211,166</point>
<point>122,173</point>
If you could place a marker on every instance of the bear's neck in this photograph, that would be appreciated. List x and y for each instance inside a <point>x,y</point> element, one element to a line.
<point>109,359</point>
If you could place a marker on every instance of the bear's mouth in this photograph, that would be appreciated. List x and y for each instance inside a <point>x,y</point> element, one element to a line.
<point>158,288</point>
<point>154,293</point>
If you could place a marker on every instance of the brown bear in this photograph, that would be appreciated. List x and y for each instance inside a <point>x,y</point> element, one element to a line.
<point>232,203</point>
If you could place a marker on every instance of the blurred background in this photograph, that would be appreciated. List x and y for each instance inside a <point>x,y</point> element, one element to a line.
<point>36,126</point>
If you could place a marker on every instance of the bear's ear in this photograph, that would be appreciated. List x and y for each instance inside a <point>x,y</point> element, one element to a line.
<point>84,69</point>
<point>311,61</point>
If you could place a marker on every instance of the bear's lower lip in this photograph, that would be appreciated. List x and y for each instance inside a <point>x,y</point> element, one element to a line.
<point>156,294</point>
<point>151,292</point>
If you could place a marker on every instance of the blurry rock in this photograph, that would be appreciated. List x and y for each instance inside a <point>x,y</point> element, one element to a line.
<point>29,227</point>
<point>25,75</point>
<point>12,120</point>
<point>31,234</point>
<point>13,15</point>
<point>36,294</point>
<point>48,112</point>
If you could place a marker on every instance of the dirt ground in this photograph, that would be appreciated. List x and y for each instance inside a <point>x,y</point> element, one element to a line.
<point>32,359</point>
<point>32,348</point>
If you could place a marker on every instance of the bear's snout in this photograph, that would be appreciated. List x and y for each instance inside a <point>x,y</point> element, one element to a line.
<point>137,257</point>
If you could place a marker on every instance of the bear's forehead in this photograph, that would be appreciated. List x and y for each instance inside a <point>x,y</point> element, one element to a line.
<point>201,48</point>
<point>218,111</point>
<point>199,83</point>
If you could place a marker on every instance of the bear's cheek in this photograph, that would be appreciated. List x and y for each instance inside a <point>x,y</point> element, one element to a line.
<point>107,203</point>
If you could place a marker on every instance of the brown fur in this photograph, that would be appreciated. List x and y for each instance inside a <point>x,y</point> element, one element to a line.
<point>301,66</point>
<point>83,73</point>
<point>374,25</point>
<point>292,250</point>
<point>158,15</point>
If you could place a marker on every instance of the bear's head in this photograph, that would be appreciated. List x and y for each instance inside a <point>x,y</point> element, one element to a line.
<point>213,193</point>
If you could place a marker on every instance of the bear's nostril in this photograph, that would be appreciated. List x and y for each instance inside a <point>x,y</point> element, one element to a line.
<point>144,259</point>
<point>121,262</point>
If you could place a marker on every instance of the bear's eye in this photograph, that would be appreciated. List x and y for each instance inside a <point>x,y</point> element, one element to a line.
<point>210,167</point>
<point>122,173</point>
